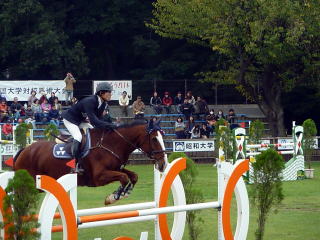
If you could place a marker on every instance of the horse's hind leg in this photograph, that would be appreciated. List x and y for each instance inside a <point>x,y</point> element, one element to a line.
<point>108,176</point>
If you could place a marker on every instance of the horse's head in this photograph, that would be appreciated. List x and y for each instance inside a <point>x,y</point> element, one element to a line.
<point>154,145</point>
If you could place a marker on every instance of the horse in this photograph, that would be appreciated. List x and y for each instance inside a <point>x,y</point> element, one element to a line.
<point>107,157</point>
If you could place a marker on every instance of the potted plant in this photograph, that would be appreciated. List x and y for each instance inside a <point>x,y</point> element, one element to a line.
<point>310,131</point>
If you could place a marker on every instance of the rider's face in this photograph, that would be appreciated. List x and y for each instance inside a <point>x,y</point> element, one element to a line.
<point>106,96</point>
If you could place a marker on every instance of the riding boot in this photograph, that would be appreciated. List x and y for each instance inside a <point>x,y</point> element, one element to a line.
<point>76,154</point>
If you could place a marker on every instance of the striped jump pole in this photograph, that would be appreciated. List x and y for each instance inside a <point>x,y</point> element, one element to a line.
<point>296,163</point>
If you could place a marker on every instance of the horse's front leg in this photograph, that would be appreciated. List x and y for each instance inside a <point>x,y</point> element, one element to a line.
<point>108,176</point>
<point>133,180</point>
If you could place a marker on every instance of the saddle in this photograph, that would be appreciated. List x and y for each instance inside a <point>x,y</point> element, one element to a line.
<point>63,150</point>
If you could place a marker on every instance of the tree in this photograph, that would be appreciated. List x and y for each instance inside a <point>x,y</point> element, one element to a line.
<point>32,45</point>
<point>309,135</point>
<point>267,186</point>
<point>268,46</point>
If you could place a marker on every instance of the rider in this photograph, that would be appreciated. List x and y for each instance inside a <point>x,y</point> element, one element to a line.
<point>75,118</point>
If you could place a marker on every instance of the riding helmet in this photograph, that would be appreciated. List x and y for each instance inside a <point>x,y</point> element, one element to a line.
<point>104,86</point>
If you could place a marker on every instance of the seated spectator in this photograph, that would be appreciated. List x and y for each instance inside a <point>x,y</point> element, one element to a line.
<point>220,115</point>
<point>211,122</point>
<point>179,128</point>
<point>54,116</point>
<point>195,132</point>
<point>187,109</point>
<point>37,110</point>
<point>201,108</point>
<point>4,111</point>
<point>231,118</point>
<point>29,117</point>
<point>58,105</point>
<point>190,98</point>
<point>32,97</point>
<point>15,109</point>
<point>46,107</point>
<point>124,103</point>
<point>74,100</point>
<point>43,97</point>
<point>52,98</point>
<point>204,131</point>
<point>178,101</point>
<point>138,108</point>
<point>7,131</point>
<point>211,114</point>
<point>167,102</point>
<point>190,125</point>
<point>156,102</point>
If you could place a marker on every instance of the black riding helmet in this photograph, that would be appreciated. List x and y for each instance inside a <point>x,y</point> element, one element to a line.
<point>103,86</point>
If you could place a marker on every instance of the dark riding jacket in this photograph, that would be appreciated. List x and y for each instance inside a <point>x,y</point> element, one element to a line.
<point>87,107</point>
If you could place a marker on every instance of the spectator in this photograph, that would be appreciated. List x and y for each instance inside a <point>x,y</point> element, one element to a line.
<point>204,131</point>
<point>69,80</point>
<point>178,101</point>
<point>195,132</point>
<point>43,97</point>
<point>15,109</point>
<point>201,108</point>
<point>179,128</point>
<point>190,98</point>
<point>190,125</point>
<point>2,97</point>
<point>7,130</point>
<point>37,110</point>
<point>167,102</point>
<point>124,103</point>
<point>211,114</point>
<point>46,107</point>
<point>3,111</point>
<point>58,105</point>
<point>29,117</point>
<point>32,97</point>
<point>156,102</point>
<point>187,109</point>
<point>211,121</point>
<point>231,118</point>
<point>138,108</point>
<point>220,115</point>
<point>74,101</point>
<point>54,116</point>
<point>52,98</point>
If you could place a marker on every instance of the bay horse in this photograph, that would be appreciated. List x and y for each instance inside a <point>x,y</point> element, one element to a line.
<point>106,159</point>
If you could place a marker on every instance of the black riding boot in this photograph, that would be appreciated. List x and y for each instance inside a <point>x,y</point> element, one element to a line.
<point>76,154</point>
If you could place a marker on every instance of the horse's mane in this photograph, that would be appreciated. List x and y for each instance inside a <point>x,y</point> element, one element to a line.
<point>132,124</point>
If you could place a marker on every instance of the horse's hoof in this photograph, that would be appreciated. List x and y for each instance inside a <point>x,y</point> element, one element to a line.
<point>110,199</point>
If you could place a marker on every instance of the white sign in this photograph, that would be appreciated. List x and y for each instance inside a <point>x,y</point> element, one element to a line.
<point>22,89</point>
<point>8,149</point>
<point>285,140</point>
<point>193,146</point>
<point>264,141</point>
<point>118,88</point>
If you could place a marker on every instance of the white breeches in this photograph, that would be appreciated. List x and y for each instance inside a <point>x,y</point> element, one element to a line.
<point>75,130</point>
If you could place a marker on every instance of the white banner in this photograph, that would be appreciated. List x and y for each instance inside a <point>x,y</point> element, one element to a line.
<point>193,146</point>
<point>8,149</point>
<point>22,89</point>
<point>118,88</point>
<point>285,140</point>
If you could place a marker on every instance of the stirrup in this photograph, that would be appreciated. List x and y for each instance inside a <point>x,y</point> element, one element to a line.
<point>78,169</point>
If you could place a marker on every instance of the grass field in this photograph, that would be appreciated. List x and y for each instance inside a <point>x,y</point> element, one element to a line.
<point>298,216</point>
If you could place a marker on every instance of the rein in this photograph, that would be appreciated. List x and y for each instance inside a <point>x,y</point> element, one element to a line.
<point>100,145</point>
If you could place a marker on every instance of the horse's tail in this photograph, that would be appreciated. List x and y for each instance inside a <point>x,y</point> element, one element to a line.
<point>16,156</point>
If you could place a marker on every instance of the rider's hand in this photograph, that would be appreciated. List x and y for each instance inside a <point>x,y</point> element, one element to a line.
<point>111,126</point>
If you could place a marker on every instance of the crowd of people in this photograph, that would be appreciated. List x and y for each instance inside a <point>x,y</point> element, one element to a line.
<point>196,120</point>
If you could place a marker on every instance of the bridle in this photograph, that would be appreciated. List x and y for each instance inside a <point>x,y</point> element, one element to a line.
<point>151,154</point>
